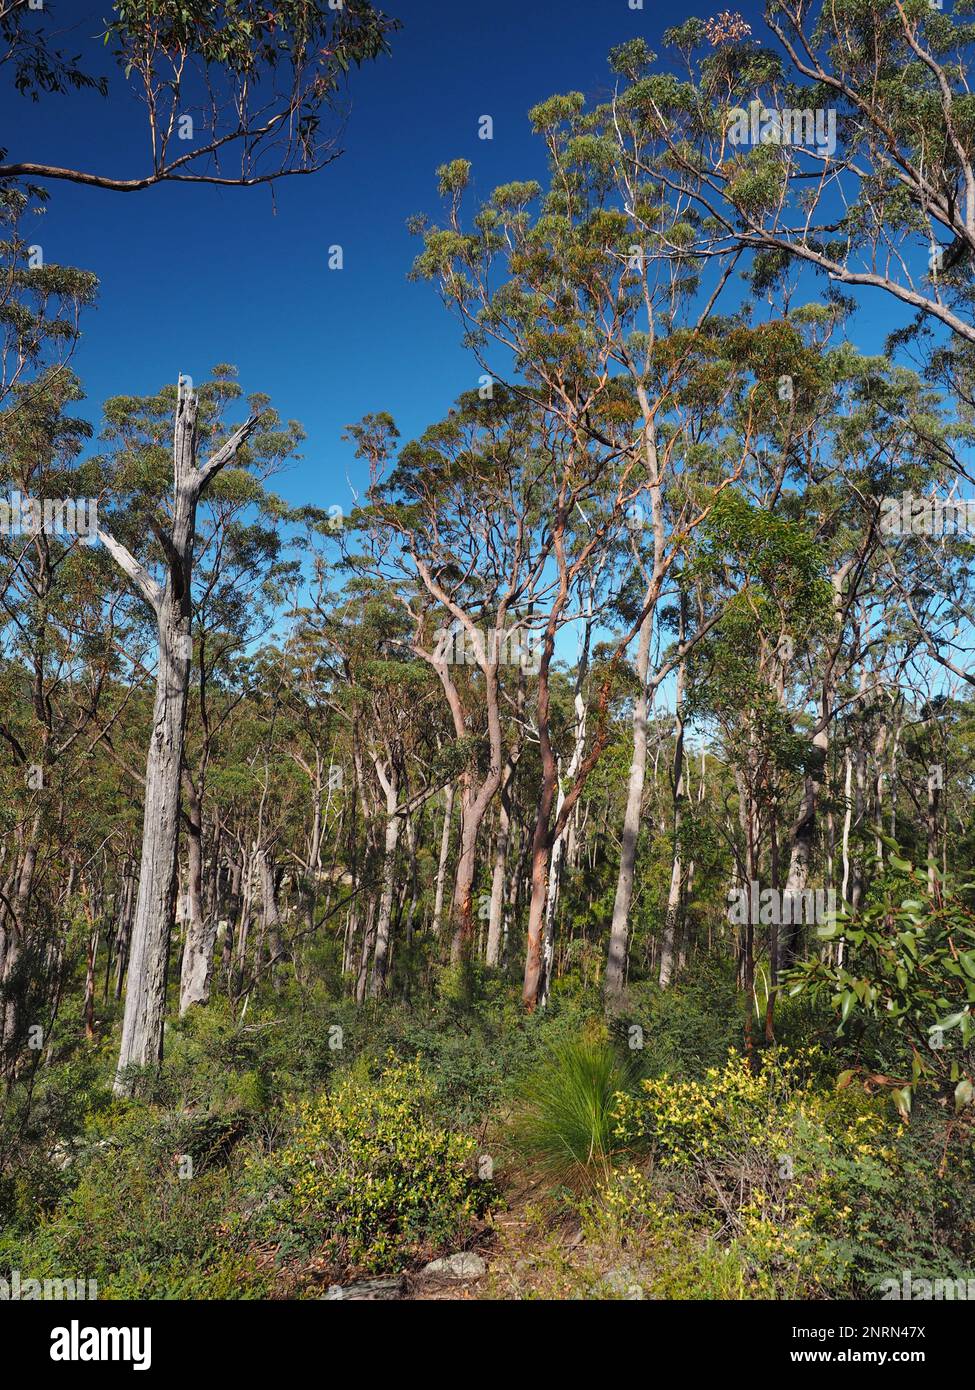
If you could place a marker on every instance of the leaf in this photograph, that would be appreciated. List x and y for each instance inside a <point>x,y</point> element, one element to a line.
<point>902,864</point>
<point>963,1093</point>
<point>844,1079</point>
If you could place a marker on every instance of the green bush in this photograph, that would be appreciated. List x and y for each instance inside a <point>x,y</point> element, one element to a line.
<point>688,1027</point>
<point>139,1225</point>
<point>817,1190</point>
<point>909,965</point>
<point>369,1180</point>
<point>769,1158</point>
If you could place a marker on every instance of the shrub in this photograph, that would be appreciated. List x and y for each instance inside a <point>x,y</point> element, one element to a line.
<point>688,1027</point>
<point>370,1180</point>
<point>140,1230</point>
<point>769,1160</point>
<point>910,964</point>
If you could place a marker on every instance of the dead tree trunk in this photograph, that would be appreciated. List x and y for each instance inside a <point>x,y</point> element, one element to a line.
<point>171,604</point>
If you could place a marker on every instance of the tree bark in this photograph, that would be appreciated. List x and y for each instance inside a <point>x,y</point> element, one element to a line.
<point>201,931</point>
<point>145,999</point>
<point>615,977</point>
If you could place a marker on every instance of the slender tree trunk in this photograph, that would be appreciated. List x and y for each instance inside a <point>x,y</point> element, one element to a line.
<point>145,999</point>
<point>201,930</point>
<point>496,915</point>
<point>934,800</point>
<point>668,945</point>
<point>619,932</point>
<point>377,986</point>
<point>438,893</point>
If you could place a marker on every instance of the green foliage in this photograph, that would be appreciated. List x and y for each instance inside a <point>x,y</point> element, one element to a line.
<point>909,962</point>
<point>564,1119</point>
<point>141,1221</point>
<point>370,1180</point>
<point>687,1029</point>
<point>769,1156</point>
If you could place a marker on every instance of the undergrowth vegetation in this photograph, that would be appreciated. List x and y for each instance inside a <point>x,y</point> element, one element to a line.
<point>313,1143</point>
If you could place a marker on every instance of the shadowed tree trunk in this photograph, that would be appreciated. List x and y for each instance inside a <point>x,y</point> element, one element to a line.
<point>668,947</point>
<point>438,894</point>
<point>619,930</point>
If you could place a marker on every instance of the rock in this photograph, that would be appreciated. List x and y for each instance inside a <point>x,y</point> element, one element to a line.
<point>464,1265</point>
<point>369,1290</point>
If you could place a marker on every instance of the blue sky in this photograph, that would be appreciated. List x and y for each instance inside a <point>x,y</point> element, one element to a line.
<point>191,276</point>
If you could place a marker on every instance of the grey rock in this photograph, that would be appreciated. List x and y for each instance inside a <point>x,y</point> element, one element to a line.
<point>625,1282</point>
<point>464,1265</point>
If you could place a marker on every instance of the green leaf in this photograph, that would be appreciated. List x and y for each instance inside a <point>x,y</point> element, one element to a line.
<point>963,1093</point>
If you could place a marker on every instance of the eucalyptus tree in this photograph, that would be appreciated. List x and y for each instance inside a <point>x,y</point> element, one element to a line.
<point>779,607</point>
<point>452,530</point>
<point>391,702</point>
<point>231,94</point>
<point>573,294</point>
<point>242,575</point>
<point>55,655</point>
<point>156,513</point>
<point>839,137</point>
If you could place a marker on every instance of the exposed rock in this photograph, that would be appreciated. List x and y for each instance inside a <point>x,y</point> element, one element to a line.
<point>625,1282</point>
<point>464,1265</point>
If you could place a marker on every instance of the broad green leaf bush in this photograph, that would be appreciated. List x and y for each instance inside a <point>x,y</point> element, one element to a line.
<point>370,1180</point>
<point>908,962</point>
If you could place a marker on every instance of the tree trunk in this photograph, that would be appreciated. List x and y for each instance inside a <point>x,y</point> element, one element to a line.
<point>619,930</point>
<point>668,945</point>
<point>380,963</point>
<point>145,998</point>
<point>201,932</point>
<point>438,894</point>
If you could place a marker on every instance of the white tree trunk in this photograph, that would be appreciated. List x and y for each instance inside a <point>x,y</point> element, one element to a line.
<point>145,997</point>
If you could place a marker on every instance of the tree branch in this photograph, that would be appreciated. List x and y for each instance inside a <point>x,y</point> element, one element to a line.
<point>140,578</point>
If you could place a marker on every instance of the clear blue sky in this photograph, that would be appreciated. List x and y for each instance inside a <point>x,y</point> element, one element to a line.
<point>191,276</point>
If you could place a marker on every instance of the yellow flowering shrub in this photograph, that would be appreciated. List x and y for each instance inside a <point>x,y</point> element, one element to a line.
<point>766,1157</point>
<point>684,1120</point>
<point>371,1180</point>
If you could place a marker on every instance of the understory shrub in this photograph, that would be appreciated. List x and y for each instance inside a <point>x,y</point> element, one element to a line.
<point>812,1187</point>
<point>136,1222</point>
<point>369,1180</point>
